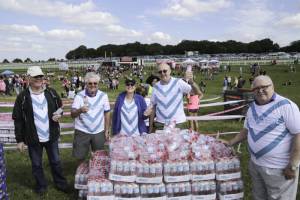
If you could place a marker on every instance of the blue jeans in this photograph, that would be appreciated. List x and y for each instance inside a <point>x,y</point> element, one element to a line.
<point>36,156</point>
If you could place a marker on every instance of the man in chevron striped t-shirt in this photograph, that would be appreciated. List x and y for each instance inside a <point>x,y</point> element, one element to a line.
<point>272,128</point>
<point>167,97</point>
<point>91,111</point>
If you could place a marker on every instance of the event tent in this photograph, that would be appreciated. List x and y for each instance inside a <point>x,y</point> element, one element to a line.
<point>7,73</point>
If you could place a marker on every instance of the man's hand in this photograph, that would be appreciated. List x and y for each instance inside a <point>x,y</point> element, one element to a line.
<point>289,173</point>
<point>107,135</point>
<point>56,118</point>
<point>21,146</point>
<point>84,109</point>
<point>148,111</point>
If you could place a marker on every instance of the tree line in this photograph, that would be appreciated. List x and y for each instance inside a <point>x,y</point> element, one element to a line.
<point>203,47</point>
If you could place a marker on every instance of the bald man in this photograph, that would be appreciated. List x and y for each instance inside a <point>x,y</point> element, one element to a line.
<point>167,97</point>
<point>272,129</point>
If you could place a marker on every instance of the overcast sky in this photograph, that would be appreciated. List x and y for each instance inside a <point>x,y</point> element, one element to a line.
<point>40,29</point>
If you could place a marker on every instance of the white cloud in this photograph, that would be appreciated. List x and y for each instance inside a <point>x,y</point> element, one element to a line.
<point>190,8</point>
<point>65,34</point>
<point>160,37</point>
<point>291,21</point>
<point>21,29</point>
<point>253,21</point>
<point>82,14</point>
<point>119,30</point>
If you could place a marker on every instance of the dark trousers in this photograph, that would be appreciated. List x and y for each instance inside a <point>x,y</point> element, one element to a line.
<point>36,156</point>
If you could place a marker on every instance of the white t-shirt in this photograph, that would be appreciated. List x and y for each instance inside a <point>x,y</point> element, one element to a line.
<point>40,115</point>
<point>271,129</point>
<point>91,122</point>
<point>169,100</point>
<point>129,119</point>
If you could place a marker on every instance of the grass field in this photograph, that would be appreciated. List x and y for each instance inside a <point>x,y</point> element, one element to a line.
<point>19,178</point>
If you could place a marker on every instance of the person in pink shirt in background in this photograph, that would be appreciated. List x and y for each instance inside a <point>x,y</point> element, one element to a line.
<point>193,107</point>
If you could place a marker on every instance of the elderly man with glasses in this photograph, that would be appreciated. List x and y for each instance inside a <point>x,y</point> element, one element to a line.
<point>91,111</point>
<point>36,125</point>
<point>272,129</point>
<point>167,98</point>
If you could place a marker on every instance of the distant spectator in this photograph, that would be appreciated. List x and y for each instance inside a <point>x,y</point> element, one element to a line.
<point>241,82</point>
<point>202,86</point>
<point>2,86</point>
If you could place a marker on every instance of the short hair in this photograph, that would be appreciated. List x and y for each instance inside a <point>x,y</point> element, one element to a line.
<point>262,78</point>
<point>164,64</point>
<point>90,75</point>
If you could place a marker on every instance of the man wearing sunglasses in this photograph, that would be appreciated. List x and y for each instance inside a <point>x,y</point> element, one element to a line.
<point>36,125</point>
<point>167,97</point>
<point>91,111</point>
<point>272,129</point>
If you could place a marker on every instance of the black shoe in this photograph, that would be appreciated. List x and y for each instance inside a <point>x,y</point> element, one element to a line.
<point>63,188</point>
<point>40,191</point>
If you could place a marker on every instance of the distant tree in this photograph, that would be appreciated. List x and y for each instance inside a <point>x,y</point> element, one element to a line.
<point>203,46</point>
<point>28,60</point>
<point>51,60</point>
<point>293,47</point>
<point>5,61</point>
<point>17,60</point>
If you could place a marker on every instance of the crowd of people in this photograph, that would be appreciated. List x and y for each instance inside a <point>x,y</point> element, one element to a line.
<point>271,126</point>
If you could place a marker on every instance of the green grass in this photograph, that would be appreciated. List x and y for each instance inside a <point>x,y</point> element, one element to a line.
<point>19,178</point>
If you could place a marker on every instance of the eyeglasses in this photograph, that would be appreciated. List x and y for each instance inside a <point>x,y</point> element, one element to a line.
<point>39,77</point>
<point>263,87</point>
<point>163,71</point>
<point>130,84</point>
<point>92,83</point>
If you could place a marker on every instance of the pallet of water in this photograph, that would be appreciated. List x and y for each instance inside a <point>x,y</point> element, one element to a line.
<point>150,173</point>
<point>179,191</point>
<point>153,191</point>
<point>126,191</point>
<point>81,176</point>
<point>99,189</point>
<point>123,171</point>
<point>228,169</point>
<point>231,190</point>
<point>176,171</point>
<point>204,190</point>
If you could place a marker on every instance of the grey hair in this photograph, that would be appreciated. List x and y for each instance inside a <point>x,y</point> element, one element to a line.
<point>262,78</point>
<point>91,75</point>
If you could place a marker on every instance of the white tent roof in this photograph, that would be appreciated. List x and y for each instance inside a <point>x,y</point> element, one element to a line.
<point>189,61</point>
<point>203,61</point>
<point>63,66</point>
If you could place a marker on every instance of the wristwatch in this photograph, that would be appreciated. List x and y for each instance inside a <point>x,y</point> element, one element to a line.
<point>294,167</point>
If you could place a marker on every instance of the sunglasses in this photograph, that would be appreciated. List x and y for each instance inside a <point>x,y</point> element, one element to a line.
<point>130,84</point>
<point>92,83</point>
<point>263,87</point>
<point>39,77</point>
<point>163,71</point>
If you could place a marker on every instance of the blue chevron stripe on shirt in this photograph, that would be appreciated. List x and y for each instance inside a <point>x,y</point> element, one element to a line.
<point>171,114</point>
<point>167,104</point>
<point>129,121</point>
<point>268,129</point>
<point>40,118</point>
<point>167,92</point>
<point>271,145</point>
<point>260,118</point>
<point>90,118</point>
<point>39,105</point>
<point>44,133</point>
<point>131,131</point>
<point>89,128</point>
